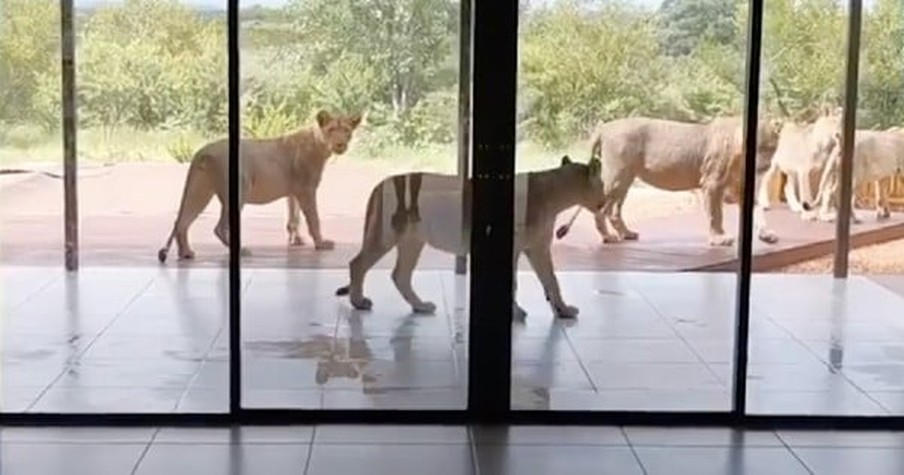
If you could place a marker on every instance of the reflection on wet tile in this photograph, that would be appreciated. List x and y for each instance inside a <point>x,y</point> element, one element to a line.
<point>79,435</point>
<point>276,459</point>
<point>634,350</point>
<point>842,400</point>
<point>411,399</point>
<point>648,342</point>
<point>718,461</point>
<point>844,461</point>
<point>391,459</point>
<point>293,434</point>
<point>71,459</point>
<point>388,434</point>
<point>857,438</point>
<point>662,399</point>
<point>101,400</point>
<point>700,436</point>
<point>551,459</point>
<point>652,376</point>
<point>548,435</point>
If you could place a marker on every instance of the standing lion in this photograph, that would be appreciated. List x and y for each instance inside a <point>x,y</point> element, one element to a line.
<point>678,156</point>
<point>289,166</point>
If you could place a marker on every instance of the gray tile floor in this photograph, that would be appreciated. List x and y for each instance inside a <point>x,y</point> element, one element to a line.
<point>154,339</point>
<point>441,450</point>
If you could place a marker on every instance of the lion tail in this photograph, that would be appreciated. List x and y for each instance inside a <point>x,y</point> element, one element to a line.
<point>596,150</point>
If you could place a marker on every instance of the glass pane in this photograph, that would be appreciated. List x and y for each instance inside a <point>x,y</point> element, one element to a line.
<point>655,95</point>
<point>340,102</point>
<point>836,345</point>
<point>122,333</point>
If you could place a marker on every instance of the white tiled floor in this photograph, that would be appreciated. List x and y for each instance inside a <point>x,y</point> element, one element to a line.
<point>154,339</point>
<point>441,450</point>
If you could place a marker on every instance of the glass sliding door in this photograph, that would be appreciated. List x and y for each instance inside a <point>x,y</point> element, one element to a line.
<point>355,208</point>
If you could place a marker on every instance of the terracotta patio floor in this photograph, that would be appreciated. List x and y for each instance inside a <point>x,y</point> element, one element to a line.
<point>123,222</point>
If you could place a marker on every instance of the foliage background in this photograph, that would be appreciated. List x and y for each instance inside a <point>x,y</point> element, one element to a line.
<point>158,68</point>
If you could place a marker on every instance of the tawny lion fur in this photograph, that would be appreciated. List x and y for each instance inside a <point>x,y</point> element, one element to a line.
<point>878,155</point>
<point>803,150</point>
<point>678,156</point>
<point>289,166</point>
<point>434,217</point>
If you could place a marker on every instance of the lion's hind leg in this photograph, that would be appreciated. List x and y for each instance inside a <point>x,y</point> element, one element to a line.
<point>408,253</point>
<point>197,196</point>
<point>370,254</point>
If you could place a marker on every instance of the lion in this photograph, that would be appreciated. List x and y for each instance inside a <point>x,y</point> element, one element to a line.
<point>878,154</point>
<point>288,166</point>
<point>539,198</point>
<point>678,156</point>
<point>802,150</point>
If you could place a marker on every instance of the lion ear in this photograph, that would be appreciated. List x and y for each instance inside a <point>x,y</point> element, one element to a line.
<point>323,118</point>
<point>566,160</point>
<point>354,120</point>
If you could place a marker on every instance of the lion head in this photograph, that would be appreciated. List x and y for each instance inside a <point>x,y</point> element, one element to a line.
<point>589,183</point>
<point>337,130</point>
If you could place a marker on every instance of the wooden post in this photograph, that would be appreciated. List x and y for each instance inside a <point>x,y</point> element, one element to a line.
<point>843,221</point>
<point>464,123</point>
<point>70,123</point>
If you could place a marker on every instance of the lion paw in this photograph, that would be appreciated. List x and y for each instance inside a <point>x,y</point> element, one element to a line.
<point>629,235</point>
<point>883,214</point>
<point>768,236</point>
<point>363,303</point>
<point>187,255</point>
<point>566,311</point>
<point>855,218</point>
<point>295,240</point>
<point>721,240</point>
<point>827,217</point>
<point>611,238</point>
<point>809,216</point>
<point>325,245</point>
<point>424,307</point>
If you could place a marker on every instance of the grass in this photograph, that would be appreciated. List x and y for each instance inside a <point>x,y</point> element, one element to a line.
<point>24,146</point>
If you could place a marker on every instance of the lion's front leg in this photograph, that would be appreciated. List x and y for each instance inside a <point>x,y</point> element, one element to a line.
<point>761,183</point>
<point>294,220</point>
<point>308,201</point>
<point>541,261</point>
<point>712,204</point>
<point>518,313</point>
<point>883,210</point>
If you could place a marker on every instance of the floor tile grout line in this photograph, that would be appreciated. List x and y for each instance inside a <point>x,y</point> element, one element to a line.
<point>307,462</point>
<point>825,363</point>
<point>793,453</point>
<point>40,288</point>
<point>190,384</point>
<point>682,338</point>
<point>89,345</point>
<point>633,450</point>
<point>147,448</point>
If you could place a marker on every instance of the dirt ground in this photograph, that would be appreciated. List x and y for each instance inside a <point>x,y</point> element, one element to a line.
<point>886,258</point>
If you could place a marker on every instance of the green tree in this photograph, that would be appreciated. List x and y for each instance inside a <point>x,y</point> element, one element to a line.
<point>685,24</point>
<point>881,91</point>
<point>29,48</point>
<point>404,42</point>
